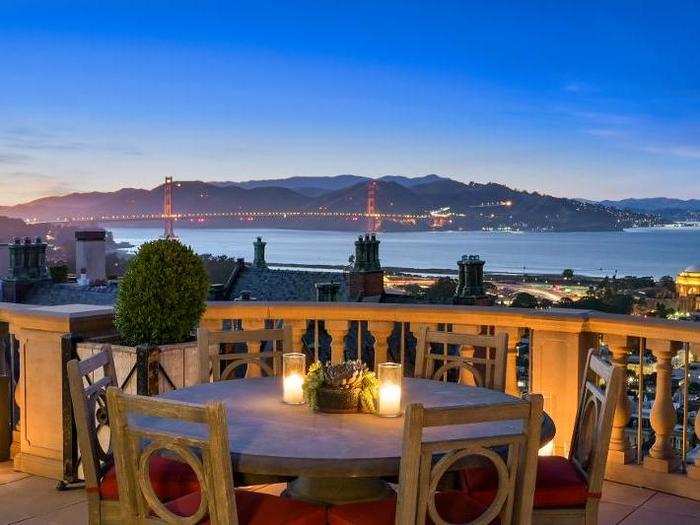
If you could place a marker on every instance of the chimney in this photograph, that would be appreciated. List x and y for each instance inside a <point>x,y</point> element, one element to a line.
<point>367,277</point>
<point>259,251</point>
<point>90,254</point>
<point>27,267</point>
<point>470,289</point>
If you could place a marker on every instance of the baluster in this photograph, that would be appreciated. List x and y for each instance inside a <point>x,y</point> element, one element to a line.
<point>620,448</point>
<point>253,369</point>
<point>381,330</point>
<point>338,330</point>
<point>511,359</point>
<point>661,457</point>
<point>299,327</point>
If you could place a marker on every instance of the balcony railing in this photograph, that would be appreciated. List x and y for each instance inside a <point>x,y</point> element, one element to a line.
<point>546,354</point>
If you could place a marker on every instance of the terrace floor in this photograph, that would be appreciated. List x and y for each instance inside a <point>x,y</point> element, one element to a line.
<point>32,500</point>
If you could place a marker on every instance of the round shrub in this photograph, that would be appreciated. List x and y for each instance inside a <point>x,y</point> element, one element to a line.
<point>162,295</point>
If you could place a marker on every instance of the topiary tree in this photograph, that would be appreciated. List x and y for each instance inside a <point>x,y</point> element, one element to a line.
<point>162,295</point>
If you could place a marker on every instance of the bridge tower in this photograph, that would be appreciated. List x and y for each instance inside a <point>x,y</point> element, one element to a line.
<point>169,232</point>
<point>372,221</point>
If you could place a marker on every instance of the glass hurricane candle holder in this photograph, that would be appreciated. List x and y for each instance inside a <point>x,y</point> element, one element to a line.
<point>293,371</point>
<point>390,376</point>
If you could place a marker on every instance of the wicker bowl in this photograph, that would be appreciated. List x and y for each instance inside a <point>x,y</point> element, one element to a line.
<point>338,400</point>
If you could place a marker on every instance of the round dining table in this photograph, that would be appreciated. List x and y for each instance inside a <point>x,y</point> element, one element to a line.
<point>333,458</point>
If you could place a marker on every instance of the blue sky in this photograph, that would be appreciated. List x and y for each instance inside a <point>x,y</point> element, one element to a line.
<point>586,99</point>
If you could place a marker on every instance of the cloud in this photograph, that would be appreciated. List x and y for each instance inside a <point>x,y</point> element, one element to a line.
<point>14,158</point>
<point>579,88</point>
<point>680,150</point>
<point>22,186</point>
<point>25,138</point>
<point>605,132</point>
<point>606,119</point>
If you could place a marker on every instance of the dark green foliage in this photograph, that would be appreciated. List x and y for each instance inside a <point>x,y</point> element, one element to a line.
<point>162,295</point>
<point>613,304</point>
<point>568,274</point>
<point>116,264</point>
<point>441,291</point>
<point>525,300</point>
<point>59,273</point>
<point>218,267</point>
<point>667,282</point>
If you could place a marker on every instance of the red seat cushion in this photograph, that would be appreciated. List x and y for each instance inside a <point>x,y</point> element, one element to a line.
<point>559,484</point>
<point>255,508</point>
<point>170,479</point>
<point>452,506</point>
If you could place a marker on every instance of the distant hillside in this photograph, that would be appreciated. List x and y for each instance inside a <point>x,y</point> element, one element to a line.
<point>191,196</point>
<point>315,186</point>
<point>483,206</point>
<point>473,206</point>
<point>668,209</point>
<point>10,228</point>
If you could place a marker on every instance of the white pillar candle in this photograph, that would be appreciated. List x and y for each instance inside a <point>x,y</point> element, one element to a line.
<point>293,371</point>
<point>389,399</point>
<point>292,392</point>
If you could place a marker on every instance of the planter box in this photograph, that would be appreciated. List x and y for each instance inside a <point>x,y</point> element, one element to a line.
<point>147,369</point>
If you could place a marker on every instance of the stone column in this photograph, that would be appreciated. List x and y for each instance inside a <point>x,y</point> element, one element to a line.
<point>338,330</point>
<point>661,457</point>
<point>620,449</point>
<point>253,370</point>
<point>381,330</point>
<point>45,447</point>
<point>557,360</point>
<point>511,359</point>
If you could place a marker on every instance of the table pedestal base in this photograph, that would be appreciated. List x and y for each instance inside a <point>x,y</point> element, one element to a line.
<point>336,491</point>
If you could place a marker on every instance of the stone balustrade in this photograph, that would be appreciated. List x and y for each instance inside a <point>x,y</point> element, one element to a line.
<point>558,343</point>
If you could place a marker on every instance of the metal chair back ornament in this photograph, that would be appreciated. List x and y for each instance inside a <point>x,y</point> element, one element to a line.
<point>139,502</point>
<point>88,381</point>
<point>221,367</point>
<point>487,371</point>
<point>419,475</point>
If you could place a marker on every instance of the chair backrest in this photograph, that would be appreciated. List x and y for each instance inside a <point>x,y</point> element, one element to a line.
<point>420,474</point>
<point>221,367</point>
<point>486,364</point>
<point>599,392</point>
<point>88,380</point>
<point>206,452</point>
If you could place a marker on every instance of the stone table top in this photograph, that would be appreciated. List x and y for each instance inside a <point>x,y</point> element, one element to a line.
<point>267,436</point>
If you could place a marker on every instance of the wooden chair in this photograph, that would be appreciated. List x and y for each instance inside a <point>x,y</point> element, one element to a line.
<point>221,367</point>
<point>201,440</point>
<point>568,489</point>
<point>424,461</point>
<point>487,370</point>
<point>88,380</point>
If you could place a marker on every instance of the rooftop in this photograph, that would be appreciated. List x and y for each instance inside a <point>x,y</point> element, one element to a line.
<point>51,294</point>
<point>32,500</point>
<point>285,285</point>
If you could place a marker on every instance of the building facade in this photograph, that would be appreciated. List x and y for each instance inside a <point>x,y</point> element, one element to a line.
<point>688,289</point>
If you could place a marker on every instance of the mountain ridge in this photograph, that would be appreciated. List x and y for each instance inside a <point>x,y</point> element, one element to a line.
<point>472,206</point>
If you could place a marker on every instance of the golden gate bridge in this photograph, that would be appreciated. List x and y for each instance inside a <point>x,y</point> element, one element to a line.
<point>374,218</point>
